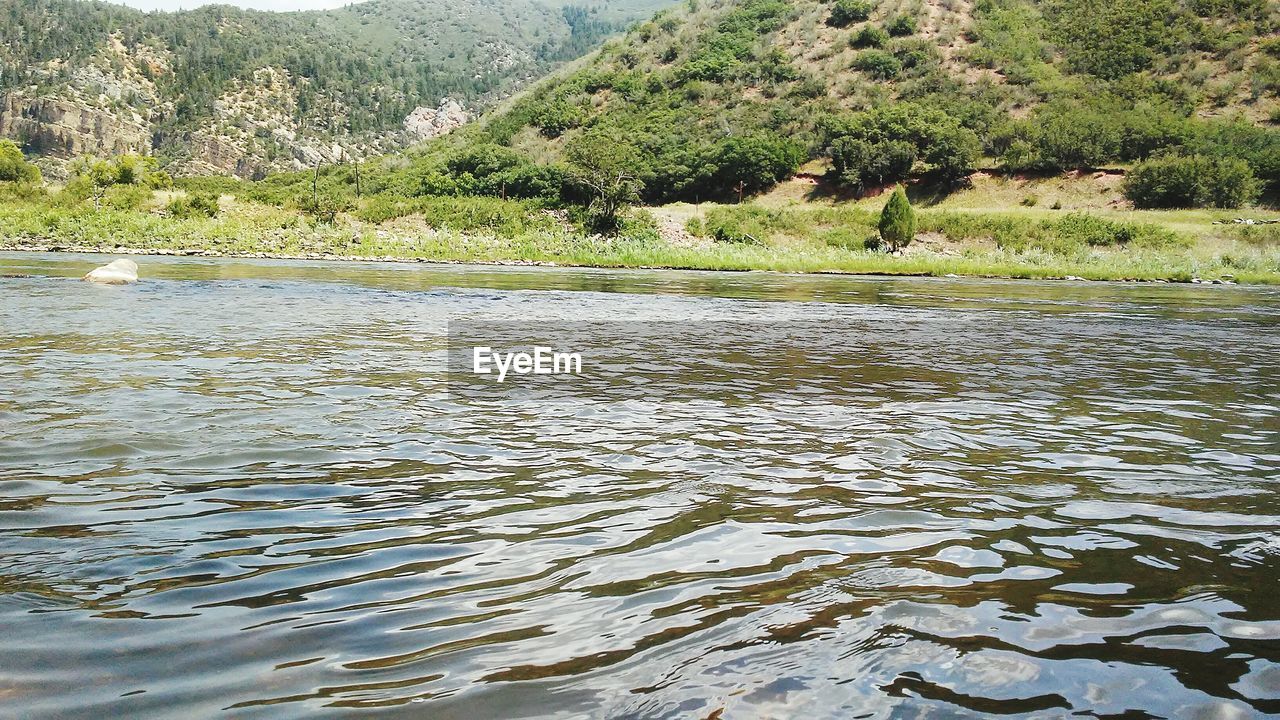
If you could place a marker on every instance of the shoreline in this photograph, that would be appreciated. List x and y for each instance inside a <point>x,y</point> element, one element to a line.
<point>403,260</point>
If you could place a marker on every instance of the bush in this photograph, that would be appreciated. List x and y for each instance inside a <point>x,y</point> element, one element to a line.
<point>324,207</point>
<point>847,12</point>
<point>1191,181</point>
<point>757,161</point>
<point>126,197</point>
<point>555,117</point>
<point>1069,235</point>
<point>1112,39</point>
<point>869,37</point>
<point>14,166</point>
<point>99,176</point>
<point>1088,230</point>
<point>193,205</point>
<point>742,224</point>
<point>901,26</point>
<point>878,64</point>
<point>898,221</point>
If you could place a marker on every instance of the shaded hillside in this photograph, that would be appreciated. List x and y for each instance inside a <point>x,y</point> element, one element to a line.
<point>223,89</point>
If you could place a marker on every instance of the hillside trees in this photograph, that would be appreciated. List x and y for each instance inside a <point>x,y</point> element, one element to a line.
<point>885,144</point>
<point>1184,181</point>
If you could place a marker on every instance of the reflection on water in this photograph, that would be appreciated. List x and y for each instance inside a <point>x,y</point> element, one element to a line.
<point>244,488</point>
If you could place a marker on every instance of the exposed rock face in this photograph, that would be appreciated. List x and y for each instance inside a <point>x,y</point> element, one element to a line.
<point>66,128</point>
<point>425,123</point>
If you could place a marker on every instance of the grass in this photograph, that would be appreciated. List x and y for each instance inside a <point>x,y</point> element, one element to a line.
<point>1016,242</point>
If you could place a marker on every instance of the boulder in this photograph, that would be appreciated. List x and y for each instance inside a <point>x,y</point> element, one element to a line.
<point>116,272</point>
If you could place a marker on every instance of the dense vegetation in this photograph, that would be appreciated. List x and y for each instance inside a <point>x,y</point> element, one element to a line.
<point>14,167</point>
<point>126,202</point>
<point>352,71</point>
<point>720,100</point>
<point>724,96</point>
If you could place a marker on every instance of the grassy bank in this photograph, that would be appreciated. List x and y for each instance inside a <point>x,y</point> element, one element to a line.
<point>806,236</point>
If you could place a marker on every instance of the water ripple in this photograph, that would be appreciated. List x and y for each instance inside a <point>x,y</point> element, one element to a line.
<point>245,489</point>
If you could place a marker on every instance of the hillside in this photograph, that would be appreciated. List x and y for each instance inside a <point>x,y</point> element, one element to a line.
<point>1133,139</point>
<point>722,96</point>
<point>223,90</point>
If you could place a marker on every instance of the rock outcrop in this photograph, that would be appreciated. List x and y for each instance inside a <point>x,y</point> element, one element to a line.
<point>425,123</point>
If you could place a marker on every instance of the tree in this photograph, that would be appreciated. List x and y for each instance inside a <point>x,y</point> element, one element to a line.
<point>897,221</point>
<point>751,163</point>
<point>862,164</point>
<point>1174,181</point>
<point>14,166</point>
<point>882,145</point>
<point>608,166</point>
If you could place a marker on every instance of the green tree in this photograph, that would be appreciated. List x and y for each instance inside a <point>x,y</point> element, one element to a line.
<point>14,166</point>
<point>883,144</point>
<point>752,163</point>
<point>1174,181</point>
<point>129,170</point>
<point>608,167</point>
<point>897,221</point>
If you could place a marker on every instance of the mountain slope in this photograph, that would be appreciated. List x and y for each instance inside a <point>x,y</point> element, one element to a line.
<point>223,89</point>
<point>719,94</point>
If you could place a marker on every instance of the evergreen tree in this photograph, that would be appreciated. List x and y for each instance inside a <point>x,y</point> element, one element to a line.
<point>898,221</point>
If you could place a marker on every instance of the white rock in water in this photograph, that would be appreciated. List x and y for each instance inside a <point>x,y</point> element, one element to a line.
<point>116,272</point>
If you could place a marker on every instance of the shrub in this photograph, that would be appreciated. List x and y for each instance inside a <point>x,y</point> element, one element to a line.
<point>1082,229</point>
<point>847,12</point>
<point>897,221</point>
<point>878,64</point>
<point>1111,39</point>
<point>1191,181</point>
<point>901,26</point>
<point>323,207</point>
<point>14,166</point>
<point>849,238</point>
<point>757,161</point>
<point>743,224</point>
<point>869,37</point>
<point>1260,147</point>
<point>193,205</point>
<point>98,176</point>
<point>554,117</point>
<point>126,197</point>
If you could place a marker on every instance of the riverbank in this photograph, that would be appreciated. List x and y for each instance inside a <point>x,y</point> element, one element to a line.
<point>803,237</point>
<point>978,268</point>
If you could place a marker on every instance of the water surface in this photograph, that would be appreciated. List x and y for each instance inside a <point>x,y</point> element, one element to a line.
<point>244,489</point>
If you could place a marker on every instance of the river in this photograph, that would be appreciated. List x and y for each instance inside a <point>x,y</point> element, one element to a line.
<point>261,489</point>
